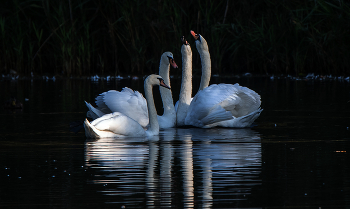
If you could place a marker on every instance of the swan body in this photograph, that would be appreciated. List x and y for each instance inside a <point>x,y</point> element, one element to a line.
<point>133,104</point>
<point>117,124</point>
<point>224,105</point>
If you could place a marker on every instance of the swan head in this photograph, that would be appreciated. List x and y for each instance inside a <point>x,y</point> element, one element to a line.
<point>168,56</point>
<point>186,48</point>
<point>154,79</point>
<point>201,43</point>
<point>184,41</point>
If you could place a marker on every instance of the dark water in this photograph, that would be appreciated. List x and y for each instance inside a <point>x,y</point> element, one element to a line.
<point>295,156</point>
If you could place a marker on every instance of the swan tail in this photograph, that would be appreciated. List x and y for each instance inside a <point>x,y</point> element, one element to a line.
<point>242,122</point>
<point>93,112</point>
<point>247,121</point>
<point>90,130</point>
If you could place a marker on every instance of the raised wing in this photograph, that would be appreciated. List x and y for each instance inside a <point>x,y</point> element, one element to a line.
<point>130,103</point>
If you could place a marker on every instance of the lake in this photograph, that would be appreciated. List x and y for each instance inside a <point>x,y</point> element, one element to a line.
<point>296,154</point>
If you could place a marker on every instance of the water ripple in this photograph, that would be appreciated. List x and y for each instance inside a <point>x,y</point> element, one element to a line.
<point>186,166</point>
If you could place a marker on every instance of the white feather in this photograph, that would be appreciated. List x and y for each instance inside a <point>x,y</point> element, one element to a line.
<point>93,112</point>
<point>216,105</point>
<point>128,102</point>
<point>226,105</point>
<point>117,124</point>
<point>133,104</point>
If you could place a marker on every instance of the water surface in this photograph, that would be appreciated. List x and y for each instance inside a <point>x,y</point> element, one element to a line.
<point>295,155</point>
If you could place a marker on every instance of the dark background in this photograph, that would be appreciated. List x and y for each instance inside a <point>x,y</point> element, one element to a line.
<point>105,37</point>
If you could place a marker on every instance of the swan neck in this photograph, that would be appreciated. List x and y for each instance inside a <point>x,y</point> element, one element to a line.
<point>186,85</point>
<point>153,128</point>
<point>206,68</point>
<point>167,98</point>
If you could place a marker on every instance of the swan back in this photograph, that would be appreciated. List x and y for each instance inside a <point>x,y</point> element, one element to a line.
<point>220,102</point>
<point>120,124</point>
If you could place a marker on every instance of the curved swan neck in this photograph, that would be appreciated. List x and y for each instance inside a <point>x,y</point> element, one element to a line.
<point>186,85</point>
<point>153,128</point>
<point>167,98</point>
<point>164,68</point>
<point>203,50</point>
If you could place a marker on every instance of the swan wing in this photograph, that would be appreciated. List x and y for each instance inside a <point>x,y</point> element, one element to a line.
<point>244,102</point>
<point>205,108</point>
<point>130,103</point>
<point>220,102</point>
<point>101,105</point>
<point>93,112</point>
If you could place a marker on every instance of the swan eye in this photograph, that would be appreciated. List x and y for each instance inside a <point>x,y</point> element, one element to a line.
<point>172,62</point>
<point>199,37</point>
<point>170,59</point>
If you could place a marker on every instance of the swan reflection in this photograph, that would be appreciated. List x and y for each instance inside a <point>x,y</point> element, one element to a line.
<point>196,166</point>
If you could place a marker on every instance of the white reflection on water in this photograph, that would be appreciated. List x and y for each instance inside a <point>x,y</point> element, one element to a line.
<point>186,156</point>
<point>213,164</point>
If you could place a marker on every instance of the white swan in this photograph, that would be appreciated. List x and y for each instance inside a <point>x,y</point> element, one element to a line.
<point>119,125</point>
<point>133,104</point>
<point>224,105</point>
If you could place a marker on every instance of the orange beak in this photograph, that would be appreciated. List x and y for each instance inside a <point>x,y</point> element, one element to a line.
<point>172,63</point>
<point>164,85</point>
<point>195,36</point>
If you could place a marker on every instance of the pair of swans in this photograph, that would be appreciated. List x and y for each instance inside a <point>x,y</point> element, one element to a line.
<point>224,105</point>
<point>128,113</point>
<point>134,105</point>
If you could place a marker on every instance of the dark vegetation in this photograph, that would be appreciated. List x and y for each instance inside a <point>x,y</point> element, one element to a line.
<point>105,37</point>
